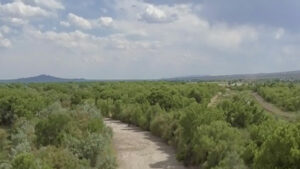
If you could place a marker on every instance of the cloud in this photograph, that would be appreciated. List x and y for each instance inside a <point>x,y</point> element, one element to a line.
<point>84,23</point>
<point>154,14</point>
<point>64,23</point>
<point>15,21</point>
<point>19,9</point>
<point>4,42</point>
<point>76,39</point>
<point>84,42</point>
<point>106,21</point>
<point>230,38</point>
<point>51,4</point>
<point>187,29</point>
<point>157,39</point>
<point>48,4</point>
<point>79,21</point>
<point>5,29</point>
<point>279,33</point>
<point>274,13</point>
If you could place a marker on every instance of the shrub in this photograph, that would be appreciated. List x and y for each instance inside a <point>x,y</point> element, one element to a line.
<point>59,158</point>
<point>212,143</point>
<point>95,125</point>
<point>94,147</point>
<point>240,111</point>
<point>22,137</point>
<point>4,144</point>
<point>232,160</point>
<point>281,149</point>
<point>162,98</point>
<point>25,161</point>
<point>7,112</point>
<point>196,95</point>
<point>50,131</point>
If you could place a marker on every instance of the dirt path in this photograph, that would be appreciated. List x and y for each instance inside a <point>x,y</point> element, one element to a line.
<point>214,100</point>
<point>273,109</point>
<point>137,149</point>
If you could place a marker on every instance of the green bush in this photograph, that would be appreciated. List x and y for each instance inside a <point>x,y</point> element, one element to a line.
<point>212,143</point>
<point>94,147</point>
<point>196,95</point>
<point>59,158</point>
<point>232,160</point>
<point>95,125</point>
<point>165,100</point>
<point>281,149</point>
<point>22,136</point>
<point>25,161</point>
<point>284,95</point>
<point>7,112</point>
<point>51,131</point>
<point>4,145</point>
<point>16,103</point>
<point>241,111</point>
<point>40,123</point>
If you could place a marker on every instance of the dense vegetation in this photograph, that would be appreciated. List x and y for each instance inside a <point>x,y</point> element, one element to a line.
<point>286,96</point>
<point>43,127</point>
<point>60,125</point>
<point>237,133</point>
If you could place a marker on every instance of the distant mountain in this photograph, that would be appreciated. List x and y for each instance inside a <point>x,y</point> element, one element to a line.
<point>286,76</point>
<point>41,79</point>
<point>292,75</point>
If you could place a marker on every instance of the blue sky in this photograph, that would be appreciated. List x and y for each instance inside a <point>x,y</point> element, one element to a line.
<point>146,39</point>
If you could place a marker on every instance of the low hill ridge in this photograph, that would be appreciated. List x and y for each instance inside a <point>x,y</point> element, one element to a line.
<point>41,79</point>
<point>291,75</point>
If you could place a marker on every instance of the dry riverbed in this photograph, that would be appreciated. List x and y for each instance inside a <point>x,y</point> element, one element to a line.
<point>138,149</point>
<point>290,116</point>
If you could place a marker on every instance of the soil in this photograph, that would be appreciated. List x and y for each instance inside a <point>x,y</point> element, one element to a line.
<point>138,149</point>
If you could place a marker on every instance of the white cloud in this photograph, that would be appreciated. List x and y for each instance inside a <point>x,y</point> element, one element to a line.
<point>15,21</point>
<point>188,29</point>
<point>153,14</point>
<point>19,9</point>
<point>84,23</point>
<point>79,40</point>
<point>64,23</point>
<point>48,4</point>
<point>121,42</point>
<point>158,40</point>
<point>279,33</point>
<point>76,39</point>
<point>106,21</point>
<point>230,38</point>
<point>5,29</point>
<point>51,4</point>
<point>79,21</point>
<point>4,42</point>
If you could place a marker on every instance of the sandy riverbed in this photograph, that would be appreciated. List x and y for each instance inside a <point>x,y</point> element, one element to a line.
<point>137,149</point>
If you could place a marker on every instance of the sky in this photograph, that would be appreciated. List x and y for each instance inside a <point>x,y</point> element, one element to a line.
<point>147,39</point>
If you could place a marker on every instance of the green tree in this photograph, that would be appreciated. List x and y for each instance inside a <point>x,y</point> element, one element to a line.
<point>25,161</point>
<point>51,130</point>
<point>213,142</point>
<point>281,149</point>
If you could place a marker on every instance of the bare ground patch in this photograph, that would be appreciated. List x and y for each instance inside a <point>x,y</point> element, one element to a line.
<point>138,149</point>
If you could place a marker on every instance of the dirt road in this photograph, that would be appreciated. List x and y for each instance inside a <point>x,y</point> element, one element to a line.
<point>214,100</point>
<point>137,149</point>
<point>273,109</point>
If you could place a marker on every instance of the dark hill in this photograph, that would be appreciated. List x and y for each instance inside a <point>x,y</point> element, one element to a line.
<point>41,79</point>
<point>286,76</point>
